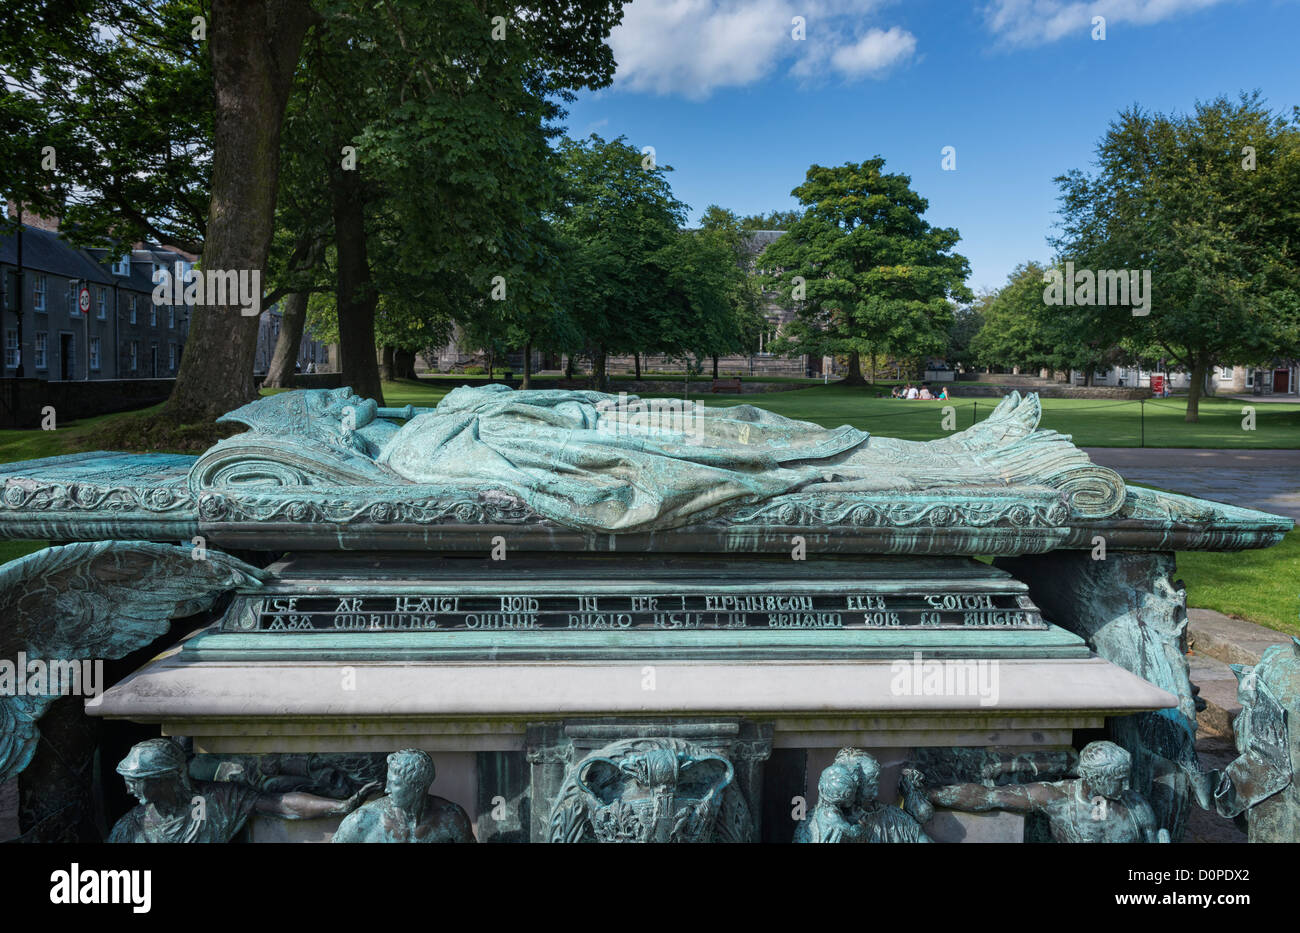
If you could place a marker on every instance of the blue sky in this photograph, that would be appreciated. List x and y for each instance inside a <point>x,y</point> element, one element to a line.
<point>1020,88</point>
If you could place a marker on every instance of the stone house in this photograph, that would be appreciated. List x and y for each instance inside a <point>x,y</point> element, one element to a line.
<point>123,336</point>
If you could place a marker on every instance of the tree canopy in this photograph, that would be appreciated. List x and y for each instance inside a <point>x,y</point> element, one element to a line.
<point>1209,203</point>
<point>864,271</point>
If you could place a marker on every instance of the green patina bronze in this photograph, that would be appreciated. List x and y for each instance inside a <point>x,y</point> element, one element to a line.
<point>1097,806</point>
<point>176,808</point>
<point>849,808</point>
<point>318,470</point>
<point>408,812</point>
<point>639,529</point>
<point>657,789</point>
<point>1260,785</point>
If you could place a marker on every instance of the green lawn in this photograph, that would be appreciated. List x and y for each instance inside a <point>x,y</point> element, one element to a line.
<point>1257,585</point>
<point>1262,586</point>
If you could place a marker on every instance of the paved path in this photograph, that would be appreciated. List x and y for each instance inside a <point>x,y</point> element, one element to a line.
<point>1268,480</point>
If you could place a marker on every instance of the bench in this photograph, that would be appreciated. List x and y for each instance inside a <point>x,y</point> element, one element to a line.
<point>727,385</point>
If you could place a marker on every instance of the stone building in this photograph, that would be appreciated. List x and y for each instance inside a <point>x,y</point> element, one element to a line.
<point>1279,376</point>
<point>312,354</point>
<point>124,335</point>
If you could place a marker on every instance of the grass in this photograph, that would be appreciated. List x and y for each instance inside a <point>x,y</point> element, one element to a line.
<point>1257,585</point>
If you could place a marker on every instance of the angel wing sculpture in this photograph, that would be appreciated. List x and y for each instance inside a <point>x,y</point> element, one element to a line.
<point>94,600</point>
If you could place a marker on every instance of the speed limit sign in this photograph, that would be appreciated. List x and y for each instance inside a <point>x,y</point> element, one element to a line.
<point>83,300</point>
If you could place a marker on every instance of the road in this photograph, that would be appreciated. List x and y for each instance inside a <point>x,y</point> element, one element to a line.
<point>1268,480</point>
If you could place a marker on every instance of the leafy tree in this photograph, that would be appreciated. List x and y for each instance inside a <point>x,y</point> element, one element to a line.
<point>135,93</point>
<point>1016,327</point>
<point>776,220</point>
<point>1209,203</point>
<point>450,90</point>
<point>865,272</point>
<point>728,320</point>
<point>620,221</point>
<point>967,321</point>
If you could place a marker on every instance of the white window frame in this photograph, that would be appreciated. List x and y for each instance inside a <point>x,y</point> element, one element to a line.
<point>101,304</point>
<point>11,349</point>
<point>133,309</point>
<point>39,288</point>
<point>123,265</point>
<point>171,355</point>
<point>153,314</point>
<point>41,351</point>
<point>135,355</point>
<point>94,354</point>
<point>171,316</point>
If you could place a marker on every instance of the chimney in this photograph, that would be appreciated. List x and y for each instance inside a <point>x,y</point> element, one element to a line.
<point>34,220</point>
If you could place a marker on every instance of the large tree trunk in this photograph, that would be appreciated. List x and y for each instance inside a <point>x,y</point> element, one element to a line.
<point>568,367</point>
<point>599,378</point>
<point>387,369</point>
<point>528,366</point>
<point>715,367</point>
<point>854,378</point>
<point>254,46</point>
<point>356,293</point>
<point>293,318</point>
<point>637,358</point>
<point>1200,366</point>
<point>404,364</point>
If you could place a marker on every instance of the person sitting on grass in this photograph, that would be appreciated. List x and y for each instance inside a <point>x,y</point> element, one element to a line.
<point>926,395</point>
<point>943,394</point>
<point>912,392</point>
<point>896,392</point>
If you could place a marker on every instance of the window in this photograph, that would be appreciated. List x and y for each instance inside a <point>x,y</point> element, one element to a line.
<point>135,354</point>
<point>11,349</point>
<point>94,353</point>
<point>38,292</point>
<point>72,298</point>
<point>42,344</point>
<point>123,265</point>
<point>171,356</point>
<point>1225,372</point>
<point>171,315</point>
<point>99,304</point>
<point>133,309</point>
<point>153,315</point>
<point>1250,379</point>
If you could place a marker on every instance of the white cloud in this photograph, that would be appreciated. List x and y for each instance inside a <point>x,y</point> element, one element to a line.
<point>1033,22</point>
<point>693,47</point>
<point>874,52</point>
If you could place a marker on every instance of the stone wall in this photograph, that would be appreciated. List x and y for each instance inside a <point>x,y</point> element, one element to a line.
<point>21,400</point>
<point>984,390</point>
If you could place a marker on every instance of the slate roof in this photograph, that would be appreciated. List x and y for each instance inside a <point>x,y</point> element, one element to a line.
<point>47,252</point>
<point>142,260</point>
